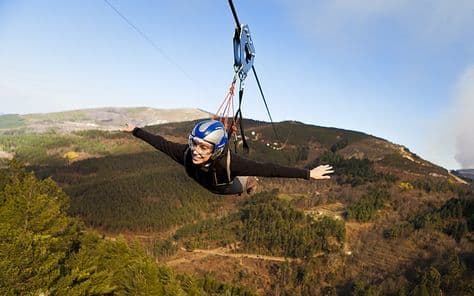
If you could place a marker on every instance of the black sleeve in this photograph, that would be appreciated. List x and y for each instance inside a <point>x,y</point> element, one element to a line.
<point>172,149</point>
<point>240,166</point>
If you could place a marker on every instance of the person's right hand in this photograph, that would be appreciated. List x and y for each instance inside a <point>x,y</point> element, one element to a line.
<point>128,128</point>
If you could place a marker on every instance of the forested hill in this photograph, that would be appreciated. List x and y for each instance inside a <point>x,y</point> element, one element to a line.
<point>387,223</point>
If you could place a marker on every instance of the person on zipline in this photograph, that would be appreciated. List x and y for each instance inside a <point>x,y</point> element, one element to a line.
<point>208,160</point>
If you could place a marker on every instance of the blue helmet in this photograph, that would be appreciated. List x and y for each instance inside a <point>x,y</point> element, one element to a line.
<point>212,131</point>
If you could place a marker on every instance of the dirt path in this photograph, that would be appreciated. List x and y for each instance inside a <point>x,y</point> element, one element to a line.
<point>197,254</point>
<point>221,252</point>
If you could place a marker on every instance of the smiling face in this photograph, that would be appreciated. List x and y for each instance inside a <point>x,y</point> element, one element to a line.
<point>201,150</point>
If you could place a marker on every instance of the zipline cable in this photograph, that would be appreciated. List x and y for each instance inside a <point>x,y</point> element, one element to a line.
<point>150,41</point>
<point>234,13</point>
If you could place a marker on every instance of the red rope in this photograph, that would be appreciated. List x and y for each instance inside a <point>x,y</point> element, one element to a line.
<point>224,109</point>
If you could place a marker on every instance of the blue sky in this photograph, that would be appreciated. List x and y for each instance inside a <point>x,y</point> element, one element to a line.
<point>395,69</point>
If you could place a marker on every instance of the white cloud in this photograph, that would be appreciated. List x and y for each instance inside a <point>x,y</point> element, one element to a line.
<point>449,138</point>
<point>463,119</point>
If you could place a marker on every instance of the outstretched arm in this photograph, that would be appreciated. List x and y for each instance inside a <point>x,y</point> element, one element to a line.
<point>245,167</point>
<point>172,149</point>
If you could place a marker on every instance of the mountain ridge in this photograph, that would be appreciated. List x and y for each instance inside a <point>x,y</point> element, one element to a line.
<point>105,118</point>
<point>466,174</point>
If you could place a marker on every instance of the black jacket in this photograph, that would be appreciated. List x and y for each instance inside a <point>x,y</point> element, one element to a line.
<point>215,177</point>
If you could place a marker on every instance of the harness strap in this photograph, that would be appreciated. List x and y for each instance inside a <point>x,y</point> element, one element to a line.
<point>238,117</point>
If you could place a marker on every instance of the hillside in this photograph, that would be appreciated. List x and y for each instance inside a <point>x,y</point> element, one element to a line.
<point>387,223</point>
<point>94,119</point>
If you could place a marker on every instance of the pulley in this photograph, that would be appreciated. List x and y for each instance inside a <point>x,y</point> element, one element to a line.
<point>244,51</point>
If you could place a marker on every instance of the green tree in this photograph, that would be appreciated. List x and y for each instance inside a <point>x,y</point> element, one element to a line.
<point>429,283</point>
<point>35,233</point>
<point>44,251</point>
<point>361,288</point>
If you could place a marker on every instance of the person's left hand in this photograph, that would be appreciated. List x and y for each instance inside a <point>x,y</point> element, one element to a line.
<point>321,171</point>
<point>128,128</point>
